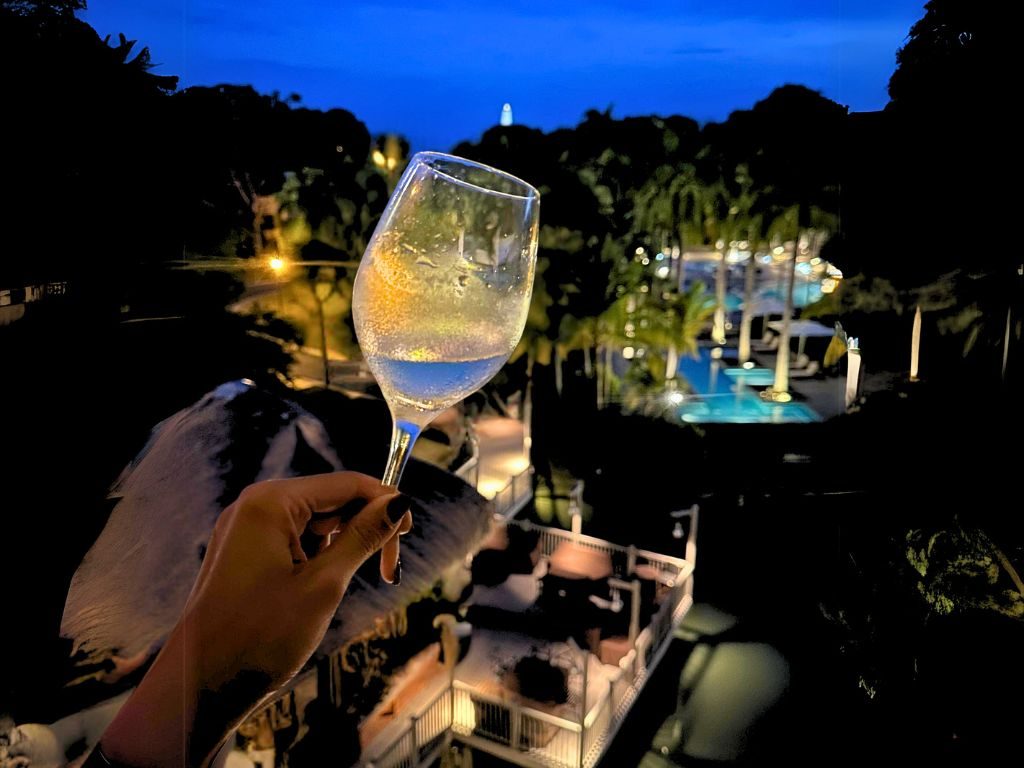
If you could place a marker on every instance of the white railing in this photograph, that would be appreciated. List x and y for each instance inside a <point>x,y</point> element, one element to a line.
<point>423,737</point>
<point>399,753</point>
<point>528,736</point>
<point>539,737</point>
<point>514,494</point>
<point>674,568</point>
<point>595,728</point>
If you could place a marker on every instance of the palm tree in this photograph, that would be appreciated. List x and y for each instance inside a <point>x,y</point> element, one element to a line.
<point>667,328</point>
<point>678,322</point>
<point>748,228</point>
<point>807,235</point>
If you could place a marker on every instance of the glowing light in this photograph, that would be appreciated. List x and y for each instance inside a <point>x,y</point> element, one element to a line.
<point>778,250</point>
<point>675,398</point>
<point>662,271</point>
<point>749,365</point>
<point>915,346</point>
<point>644,289</point>
<point>640,250</point>
<point>829,284</point>
<point>517,465</point>
<point>489,488</point>
<point>716,353</point>
<point>816,261</point>
<point>378,159</point>
<point>660,256</point>
<point>277,264</point>
<point>628,352</point>
<point>392,162</point>
<point>645,261</point>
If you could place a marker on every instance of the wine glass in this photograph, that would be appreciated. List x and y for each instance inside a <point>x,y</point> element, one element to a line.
<point>441,295</point>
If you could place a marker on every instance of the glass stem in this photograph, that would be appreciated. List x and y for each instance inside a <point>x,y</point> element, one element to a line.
<point>403,436</point>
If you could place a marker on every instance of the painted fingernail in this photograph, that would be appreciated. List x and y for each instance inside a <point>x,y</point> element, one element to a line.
<point>397,507</point>
<point>397,578</point>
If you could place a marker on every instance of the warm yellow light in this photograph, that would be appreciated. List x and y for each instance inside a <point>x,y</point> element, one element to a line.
<point>392,162</point>
<point>517,465</point>
<point>277,264</point>
<point>378,158</point>
<point>628,352</point>
<point>490,488</point>
<point>828,285</point>
<point>639,251</point>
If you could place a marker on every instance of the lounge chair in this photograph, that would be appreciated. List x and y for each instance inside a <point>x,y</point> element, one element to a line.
<point>813,369</point>
<point>769,343</point>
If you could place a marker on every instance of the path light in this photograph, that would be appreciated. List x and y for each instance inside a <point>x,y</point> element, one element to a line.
<point>277,265</point>
<point>852,371</point>
<point>915,345</point>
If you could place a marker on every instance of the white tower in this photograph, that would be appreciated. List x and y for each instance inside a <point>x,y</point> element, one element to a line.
<point>506,114</point>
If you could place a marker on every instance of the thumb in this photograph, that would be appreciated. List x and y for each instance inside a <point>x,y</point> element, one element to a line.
<point>363,535</point>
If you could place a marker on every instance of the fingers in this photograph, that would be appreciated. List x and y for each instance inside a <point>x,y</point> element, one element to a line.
<point>390,559</point>
<point>327,492</point>
<point>367,532</point>
<point>390,565</point>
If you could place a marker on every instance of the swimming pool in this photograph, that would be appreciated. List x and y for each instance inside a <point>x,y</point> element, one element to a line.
<point>744,407</point>
<point>722,394</point>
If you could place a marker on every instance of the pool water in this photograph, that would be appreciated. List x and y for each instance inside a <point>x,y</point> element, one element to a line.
<point>722,395</point>
<point>743,407</point>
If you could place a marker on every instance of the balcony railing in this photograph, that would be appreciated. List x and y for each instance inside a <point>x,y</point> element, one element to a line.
<point>514,495</point>
<point>527,736</point>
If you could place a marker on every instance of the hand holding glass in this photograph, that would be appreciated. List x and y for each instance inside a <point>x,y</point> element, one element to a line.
<point>442,293</point>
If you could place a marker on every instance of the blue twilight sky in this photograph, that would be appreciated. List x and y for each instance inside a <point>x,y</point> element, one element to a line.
<point>439,70</point>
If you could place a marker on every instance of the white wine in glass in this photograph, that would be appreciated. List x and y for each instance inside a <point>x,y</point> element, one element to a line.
<point>442,293</point>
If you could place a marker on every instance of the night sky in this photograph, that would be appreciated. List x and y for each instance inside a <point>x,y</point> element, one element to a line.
<point>438,71</point>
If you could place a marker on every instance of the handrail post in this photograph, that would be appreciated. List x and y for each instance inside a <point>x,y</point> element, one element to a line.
<point>414,749</point>
<point>630,560</point>
<point>583,705</point>
<point>634,612</point>
<point>514,725</point>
